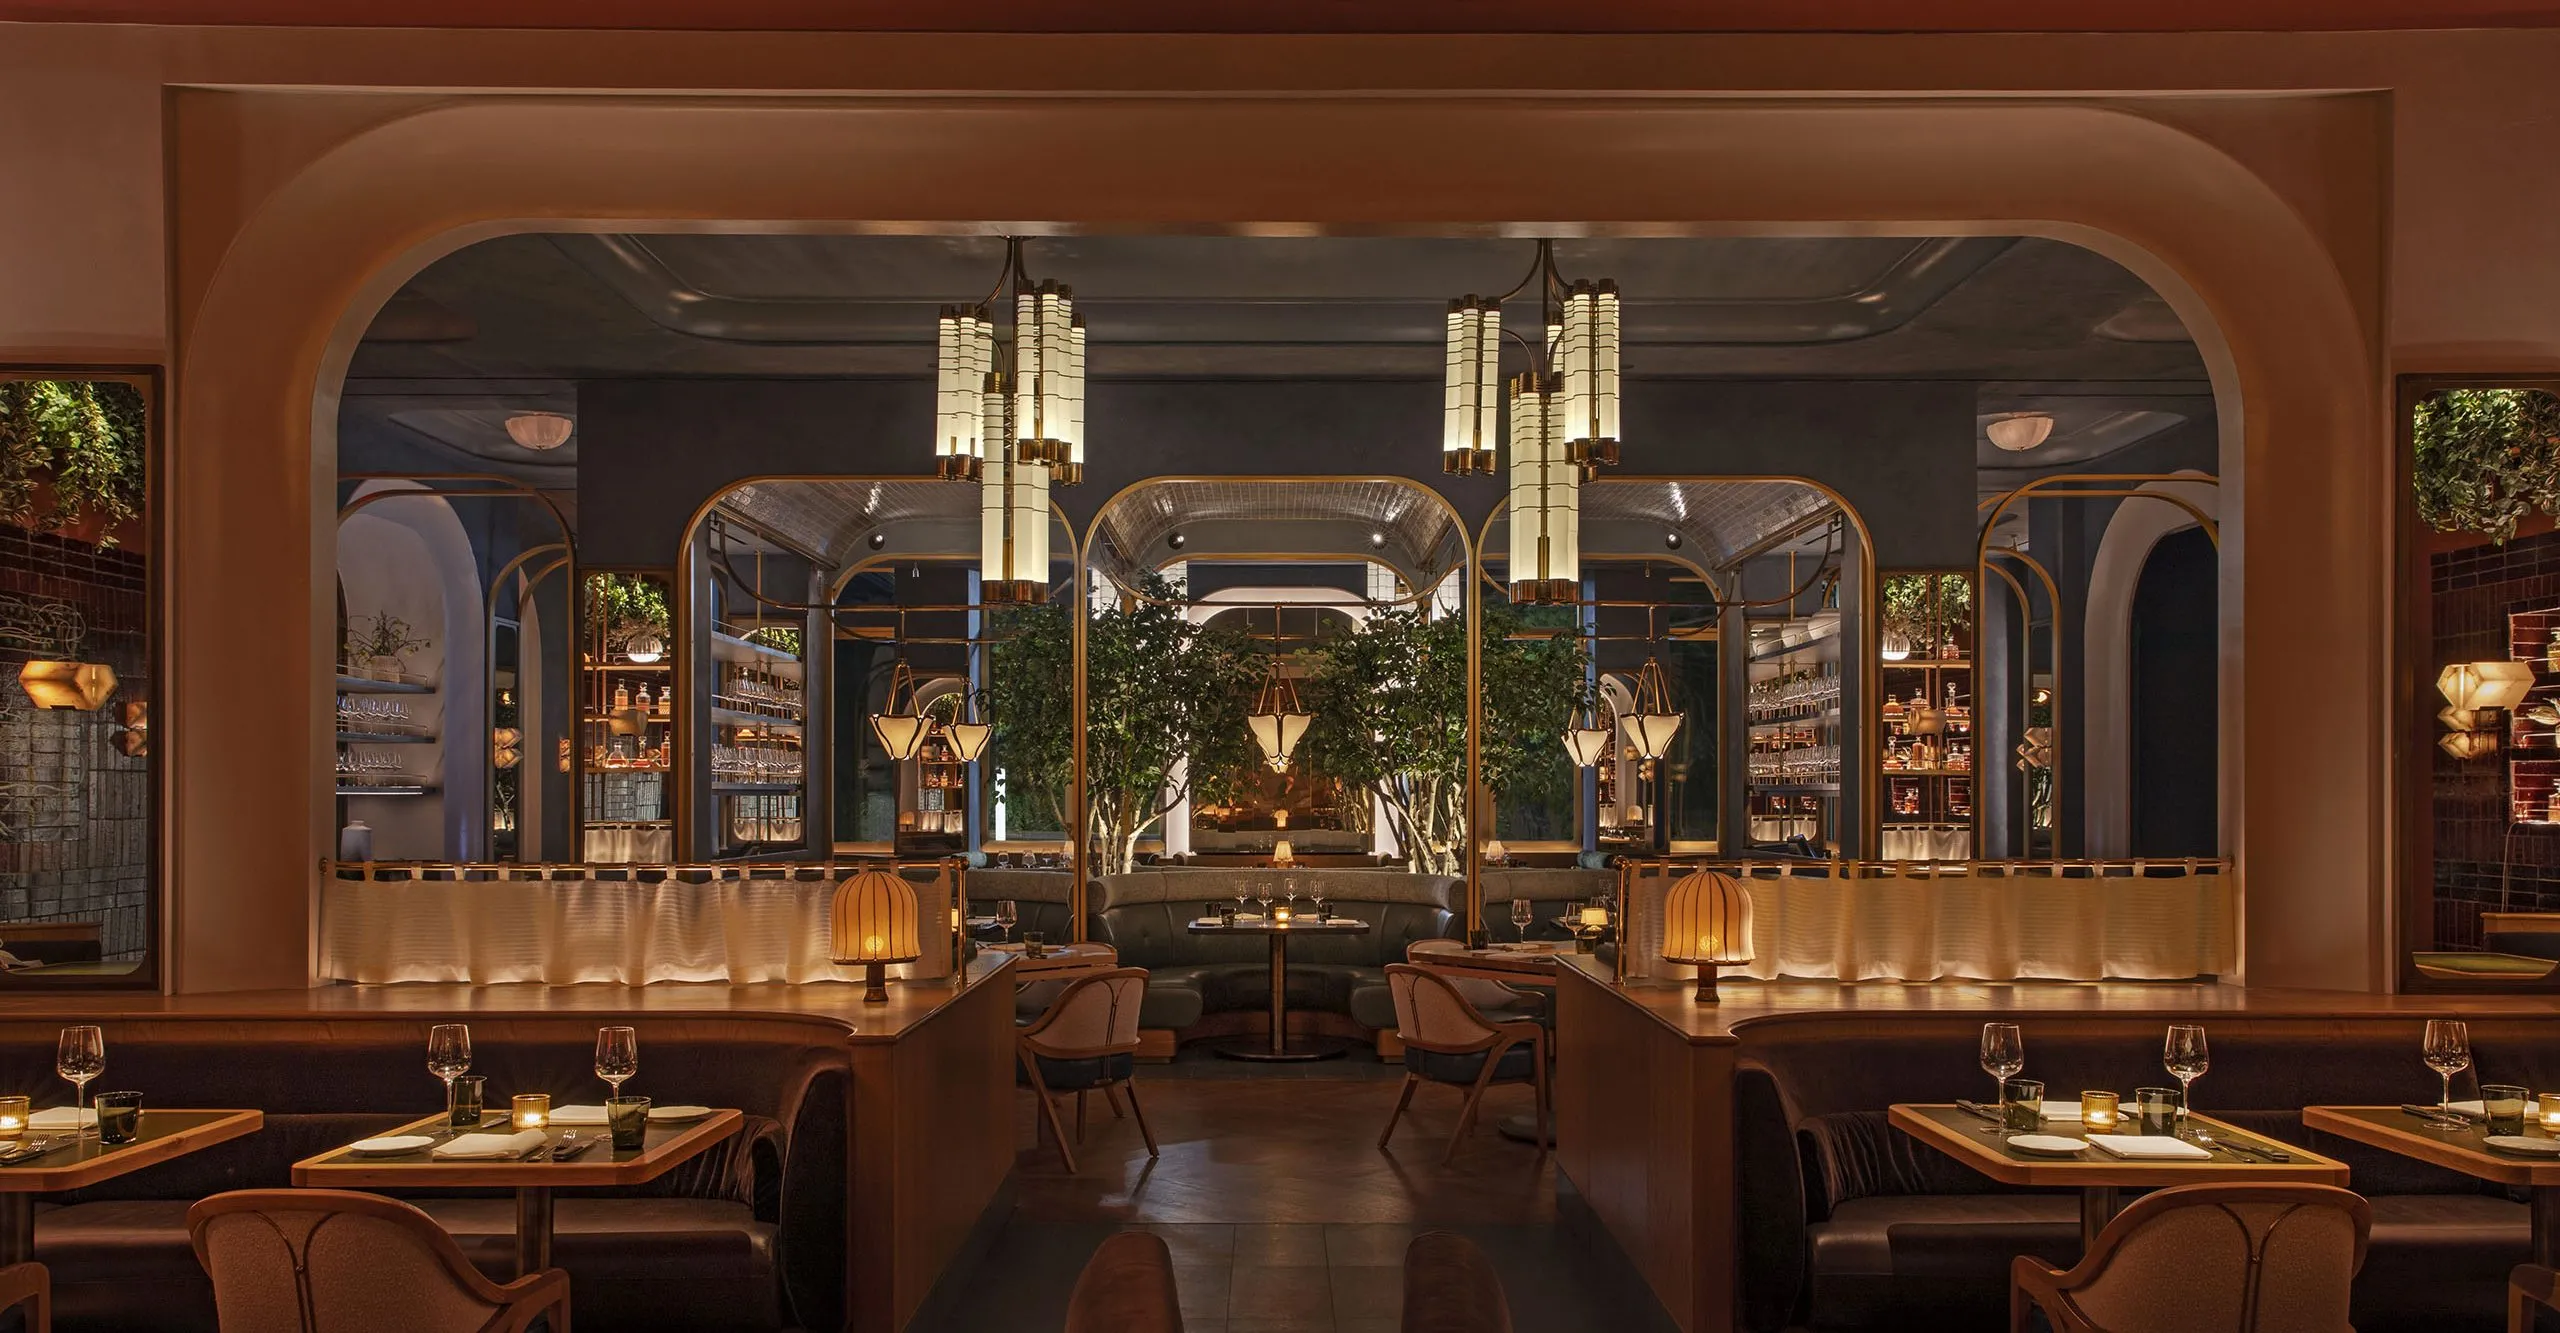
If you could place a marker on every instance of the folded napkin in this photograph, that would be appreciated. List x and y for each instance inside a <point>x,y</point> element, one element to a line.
<point>2149,1147</point>
<point>470,1147</point>
<point>577,1115</point>
<point>63,1117</point>
<point>2065,1111</point>
<point>1205,920</point>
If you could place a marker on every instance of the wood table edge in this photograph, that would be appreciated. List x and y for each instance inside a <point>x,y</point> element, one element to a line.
<point>720,1124</point>
<point>2319,1169</point>
<point>2329,1118</point>
<point>231,1124</point>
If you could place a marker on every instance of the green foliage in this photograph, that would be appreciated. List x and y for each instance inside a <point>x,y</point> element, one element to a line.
<point>86,437</point>
<point>381,635</point>
<point>1159,690</point>
<point>2486,458</point>
<point>1921,607</point>
<point>780,638</point>
<point>1390,706</point>
<point>627,605</point>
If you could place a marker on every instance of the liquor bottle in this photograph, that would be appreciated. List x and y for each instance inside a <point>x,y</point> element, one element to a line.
<point>621,697</point>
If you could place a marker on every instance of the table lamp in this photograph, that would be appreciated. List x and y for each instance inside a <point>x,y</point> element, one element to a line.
<point>873,923</point>
<point>1706,920</point>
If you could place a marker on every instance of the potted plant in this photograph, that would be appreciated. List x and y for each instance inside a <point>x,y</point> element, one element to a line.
<point>71,456</point>
<point>2485,459</point>
<point>378,646</point>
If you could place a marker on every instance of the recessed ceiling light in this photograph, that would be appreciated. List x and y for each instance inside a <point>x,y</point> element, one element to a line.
<point>2019,431</point>
<point>1175,541</point>
<point>1377,539</point>
<point>878,540</point>
<point>539,431</point>
<point>1671,540</point>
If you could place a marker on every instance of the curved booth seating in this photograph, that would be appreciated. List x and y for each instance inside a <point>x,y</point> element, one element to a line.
<point>1549,891</point>
<point>752,1235</point>
<point>1848,1223</point>
<point>1045,899</point>
<point>1147,915</point>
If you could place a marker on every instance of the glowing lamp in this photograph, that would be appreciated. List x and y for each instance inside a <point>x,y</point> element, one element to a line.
<point>873,922</point>
<point>81,685</point>
<point>1706,920</point>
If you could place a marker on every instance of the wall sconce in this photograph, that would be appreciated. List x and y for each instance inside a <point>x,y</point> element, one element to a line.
<point>2478,697</point>
<point>133,734</point>
<point>81,685</point>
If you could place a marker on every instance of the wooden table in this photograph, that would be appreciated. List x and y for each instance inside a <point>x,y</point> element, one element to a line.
<point>1982,1145</point>
<point>1057,962</point>
<point>1533,965</point>
<point>1278,932</point>
<point>2464,1150</point>
<point>82,1160</point>
<point>664,1149</point>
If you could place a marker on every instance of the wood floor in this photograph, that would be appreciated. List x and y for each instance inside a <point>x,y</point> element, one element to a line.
<point>1281,1213</point>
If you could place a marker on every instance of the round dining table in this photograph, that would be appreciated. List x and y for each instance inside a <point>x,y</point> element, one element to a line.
<point>1278,1047</point>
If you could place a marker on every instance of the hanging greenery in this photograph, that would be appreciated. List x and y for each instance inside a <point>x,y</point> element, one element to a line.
<point>1920,607</point>
<point>2486,458</point>
<point>627,605</point>
<point>780,638</point>
<point>86,438</point>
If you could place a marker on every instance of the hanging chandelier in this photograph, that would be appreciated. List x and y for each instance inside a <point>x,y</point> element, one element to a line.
<point>1586,741</point>
<point>1009,415</point>
<point>970,731</point>
<point>1654,722</point>
<point>1578,358</point>
<point>899,724</point>
<point>1546,498</point>
<point>1278,720</point>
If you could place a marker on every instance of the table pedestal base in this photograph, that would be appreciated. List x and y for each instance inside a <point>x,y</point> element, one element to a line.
<point>1287,1051</point>
<point>17,1228</point>
<point>2097,1208</point>
<point>533,1229</point>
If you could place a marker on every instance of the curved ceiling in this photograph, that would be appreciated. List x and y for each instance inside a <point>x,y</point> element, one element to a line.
<point>1399,524</point>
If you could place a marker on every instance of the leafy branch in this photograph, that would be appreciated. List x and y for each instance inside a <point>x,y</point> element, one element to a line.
<point>2486,458</point>
<point>85,437</point>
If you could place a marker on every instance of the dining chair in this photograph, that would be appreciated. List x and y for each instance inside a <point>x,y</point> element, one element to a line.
<point>2246,1258</point>
<point>28,1284</point>
<point>1450,1287</point>
<point>339,1261</point>
<point>1482,992</point>
<point>1126,1287</point>
<point>2530,1285</point>
<point>1087,1039</point>
<point>1447,1040</point>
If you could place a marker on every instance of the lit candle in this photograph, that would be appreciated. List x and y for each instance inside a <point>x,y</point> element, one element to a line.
<point>2548,1106</point>
<point>1280,914</point>
<point>533,1110</point>
<point>2099,1112</point>
<point>13,1117</point>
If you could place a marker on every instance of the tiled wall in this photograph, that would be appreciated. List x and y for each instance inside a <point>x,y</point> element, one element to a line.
<point>77,846</point>
<point>2482,858</point>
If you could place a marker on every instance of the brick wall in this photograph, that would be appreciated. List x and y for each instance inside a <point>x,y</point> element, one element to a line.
<point>75,812</point>
<point>2483,858</point>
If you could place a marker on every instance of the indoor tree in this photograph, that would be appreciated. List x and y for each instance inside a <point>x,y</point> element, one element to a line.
<point>1390,716</point>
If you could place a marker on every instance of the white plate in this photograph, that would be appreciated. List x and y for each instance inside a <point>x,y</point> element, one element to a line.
<point>2047,1145</point>
<point>2519,1143</point>
<point>391,1146</point>
<point>676,1115</point>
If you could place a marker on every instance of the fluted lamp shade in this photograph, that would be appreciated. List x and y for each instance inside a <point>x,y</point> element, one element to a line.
<point>968,739</point>
<point>1471,388</point>
<point>874,924</point>
<point>1546,501</point>
<point>965,356</point>
<point>1587,745</point>
<point>82,685</point>
<point>1706,920</point>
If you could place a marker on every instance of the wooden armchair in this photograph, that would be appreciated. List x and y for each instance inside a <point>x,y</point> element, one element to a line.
<point>1447,1040</point>
<point>338,1261</point>
<point>1087,1039</point>
<point>29,1285</point>
<point>2528,1286</point>
<point>2246,1258</point>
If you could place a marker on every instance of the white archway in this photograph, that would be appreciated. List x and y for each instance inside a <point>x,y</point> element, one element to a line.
<point>2107,653</point>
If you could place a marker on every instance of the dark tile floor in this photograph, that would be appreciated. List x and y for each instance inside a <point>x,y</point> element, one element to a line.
<point>1281,1213</point>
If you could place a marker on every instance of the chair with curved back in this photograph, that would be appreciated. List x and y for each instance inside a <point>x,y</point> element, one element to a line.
<point>1126,1287</point>
<point>1087,1039</point>
<point>2241,1258</point>
<point>1447,1040</point>
<point>339,1261</point>
<point>28,1284</point>
<point>2528,1286</point>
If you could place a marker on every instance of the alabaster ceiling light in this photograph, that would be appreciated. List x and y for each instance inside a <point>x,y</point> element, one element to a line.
<point>2018,432</point>
<point>970,732</point>
<point>1471,391</point>
<point>1278,720</point>
<point>1009,415</point>
<point>1586,741</point>
<point>1649,729</point>
<point>899,725</point>
<point>539,431</point>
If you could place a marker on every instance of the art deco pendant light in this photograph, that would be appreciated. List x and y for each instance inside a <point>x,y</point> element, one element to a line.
<point>899,724</point>
<point>1586,740</point>
<point>1009,415</point>
<point>1654,722</point>
<point>1278,720</point>
<point>1546,500</point>
<point>1471,395</point>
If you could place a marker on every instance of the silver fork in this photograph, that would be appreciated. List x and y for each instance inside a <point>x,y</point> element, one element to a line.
<point>2206,1141</point>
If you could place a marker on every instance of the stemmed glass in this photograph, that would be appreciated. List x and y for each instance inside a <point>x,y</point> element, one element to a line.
<point>1242,890</point>
<point>1316,892</point>
<point>617,1056</point>
<point>81,1056</point>
<point>1521,915</point>
<point>2184,1055</point>
<point>2004,1053</point>
<point>1289,886</point>
<point>1008,913</point>
<point>448,1057</point>
<point>1262,895</point>
<point>2448,1052</point>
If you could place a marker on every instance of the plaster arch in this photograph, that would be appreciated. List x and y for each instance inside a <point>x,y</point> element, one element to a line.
<point>2107,629</point>
<point>267,330</point>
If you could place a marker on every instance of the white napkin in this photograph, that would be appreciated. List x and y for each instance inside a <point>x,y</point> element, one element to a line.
<point>2064,1111</point>
<point>63,1117</point>
<point>2149,1147</point>
<point>1204,920</point>
<point>479,1146</point>
<point>2477,1110</point>
<point>577,1115</point>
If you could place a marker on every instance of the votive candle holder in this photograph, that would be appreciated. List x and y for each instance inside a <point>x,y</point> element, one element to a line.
<point>532,1110</point>
<point>2100,1112</point>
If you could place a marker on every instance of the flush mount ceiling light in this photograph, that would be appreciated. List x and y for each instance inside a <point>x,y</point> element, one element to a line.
<point>539,431</point>
<point>1033,372</point>
<point>1578,359</point>
<point>2019,431</point>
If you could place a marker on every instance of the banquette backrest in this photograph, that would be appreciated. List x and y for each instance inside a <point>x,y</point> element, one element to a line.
<point>1548,889</point>
<point>1146,914</point>
<point>1041,896</point>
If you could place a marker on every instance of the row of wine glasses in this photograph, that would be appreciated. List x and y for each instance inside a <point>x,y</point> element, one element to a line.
<point>757,763</point>
<point>369,713</point>
<point>370,768</point>
<point>1805,763</point>
<point>449,1055</point>
<point>1281,887</point>
<point>2183,1053</point>
<point>1800,694</point>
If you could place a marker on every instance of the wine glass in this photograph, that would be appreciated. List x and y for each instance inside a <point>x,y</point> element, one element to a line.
<point>2448,1052</point>
<point>1262,895</point>
<point>1242,891</point>
<point>2184,1055</point>
<point>2004,1053</point>
<point>1316,891</point>
<point>80,1057</point>
<point>448,1056</point>
<point>1008,914</point>
<point>1522,913</point>
<point>617,1056</point>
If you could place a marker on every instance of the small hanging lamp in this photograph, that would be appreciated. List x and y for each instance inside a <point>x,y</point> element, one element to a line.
<point>1654,722</point>
<point>1546,507</point>
<point>901,730</point>
<point>1471,391</point>
<point>1585,739</point>
<point>969,733</point>
<point>966,357</point>
<point>1278,720</point>
<point>1586,371</point>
